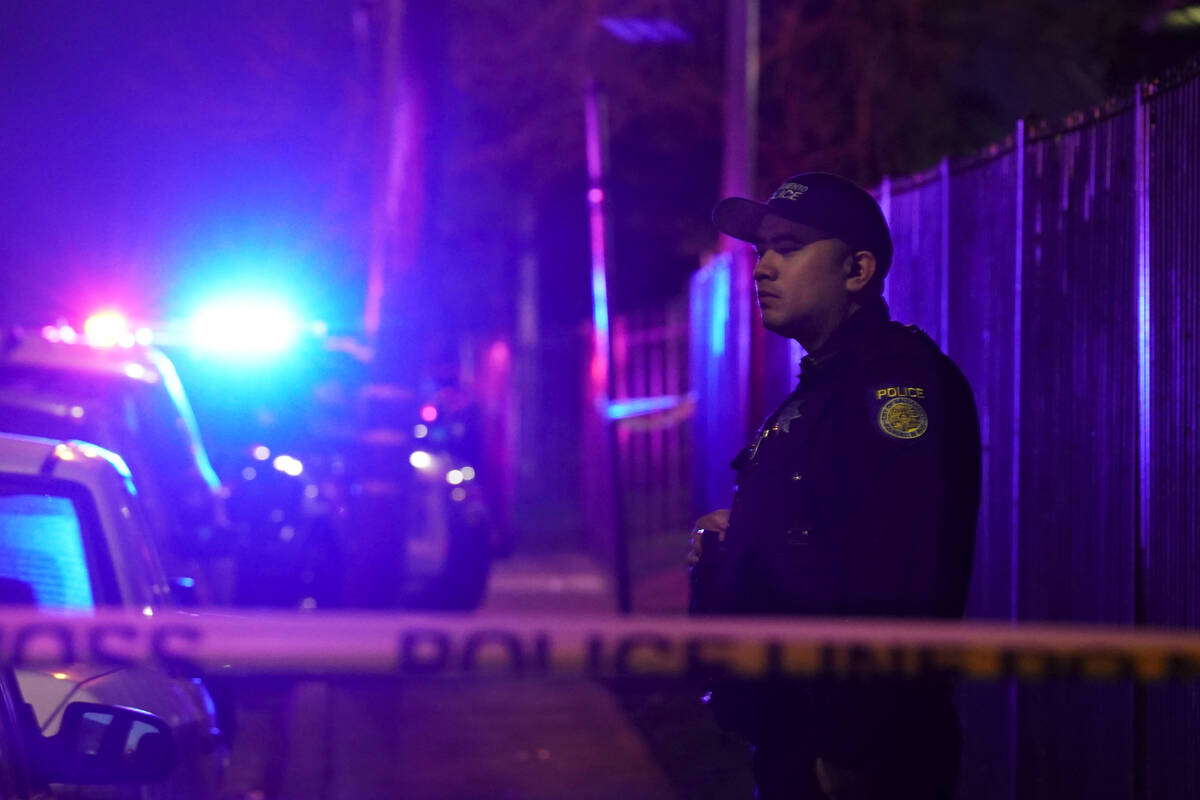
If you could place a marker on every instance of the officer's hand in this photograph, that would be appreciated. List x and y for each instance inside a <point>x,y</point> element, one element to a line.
<point>713,522</point>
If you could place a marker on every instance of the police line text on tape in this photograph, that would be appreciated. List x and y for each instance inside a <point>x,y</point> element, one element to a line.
<point>401,644</point>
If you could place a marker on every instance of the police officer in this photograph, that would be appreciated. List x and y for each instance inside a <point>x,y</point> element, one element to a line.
<point>857,497</point>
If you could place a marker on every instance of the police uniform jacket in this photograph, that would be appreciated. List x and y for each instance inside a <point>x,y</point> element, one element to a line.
<point>859,495</point>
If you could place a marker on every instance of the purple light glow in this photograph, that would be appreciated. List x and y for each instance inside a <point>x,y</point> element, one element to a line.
<point>1142,245</point>
<point>594,121</point>
<point>638,31</point>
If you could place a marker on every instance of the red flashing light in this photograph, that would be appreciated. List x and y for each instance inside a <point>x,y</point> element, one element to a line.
<point>107,329</point>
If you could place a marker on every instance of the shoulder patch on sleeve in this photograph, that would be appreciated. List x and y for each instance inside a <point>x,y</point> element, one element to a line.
<point>902,416</point>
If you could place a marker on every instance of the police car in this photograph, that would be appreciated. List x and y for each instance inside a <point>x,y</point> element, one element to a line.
<point>74,537</point>
<point>30,762</point>
<point>128,399</point>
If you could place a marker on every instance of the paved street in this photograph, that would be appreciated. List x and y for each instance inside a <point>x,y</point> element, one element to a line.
<point>445,739</point>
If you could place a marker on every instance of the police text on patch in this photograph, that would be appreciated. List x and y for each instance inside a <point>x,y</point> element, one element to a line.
<point>899,391</point>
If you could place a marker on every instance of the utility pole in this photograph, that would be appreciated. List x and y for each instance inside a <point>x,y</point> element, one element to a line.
<point>600,368</point>
<point>738,180</point>
<point>741,99</point>
<point>407,40</point>
<point>386,20</point>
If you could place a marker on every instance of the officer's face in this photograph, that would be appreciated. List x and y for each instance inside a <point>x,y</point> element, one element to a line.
<point>801,279</point>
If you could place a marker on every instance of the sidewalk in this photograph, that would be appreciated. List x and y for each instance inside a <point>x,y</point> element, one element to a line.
<point>574,583</point>
<point>552,583</point>
<point>521,737</point>
<point>653,739</point>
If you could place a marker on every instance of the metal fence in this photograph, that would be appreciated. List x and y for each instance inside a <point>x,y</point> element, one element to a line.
<point>1169,369</point>
<point>1061,271</point>
<point>650,409</point>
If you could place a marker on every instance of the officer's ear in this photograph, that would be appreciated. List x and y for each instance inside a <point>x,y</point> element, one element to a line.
<point>860,269</point>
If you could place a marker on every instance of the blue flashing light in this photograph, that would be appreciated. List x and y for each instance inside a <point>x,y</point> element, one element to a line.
<point>600,302</point>
<point>638,406</point>
<point>245,326</point>
<point>719,324</point>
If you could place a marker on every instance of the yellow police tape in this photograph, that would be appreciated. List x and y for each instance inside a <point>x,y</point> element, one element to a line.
<point>287,643</point>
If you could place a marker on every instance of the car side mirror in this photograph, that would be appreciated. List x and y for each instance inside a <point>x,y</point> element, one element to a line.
<point>104,744</point>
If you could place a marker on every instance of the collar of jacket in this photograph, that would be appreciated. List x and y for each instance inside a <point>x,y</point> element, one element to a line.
<point>858,328</point>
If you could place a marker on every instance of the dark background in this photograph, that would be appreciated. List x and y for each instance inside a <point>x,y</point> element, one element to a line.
<point>156,153</point>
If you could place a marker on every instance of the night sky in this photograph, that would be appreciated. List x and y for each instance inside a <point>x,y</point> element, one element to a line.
<point>156,154</point>
<point>152,150</point>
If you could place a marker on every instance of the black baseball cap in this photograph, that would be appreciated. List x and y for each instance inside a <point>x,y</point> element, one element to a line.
<point>832,204</point>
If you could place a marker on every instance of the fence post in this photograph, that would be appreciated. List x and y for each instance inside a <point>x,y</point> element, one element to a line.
<point>944,259</point>
<point>1141,183</point>
<point>885,205</point>
<point>1014,541</point>
<point>1141,237</point>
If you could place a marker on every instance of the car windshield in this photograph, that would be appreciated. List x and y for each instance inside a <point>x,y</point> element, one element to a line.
<point>41,545</point>
<point>114,412</point>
